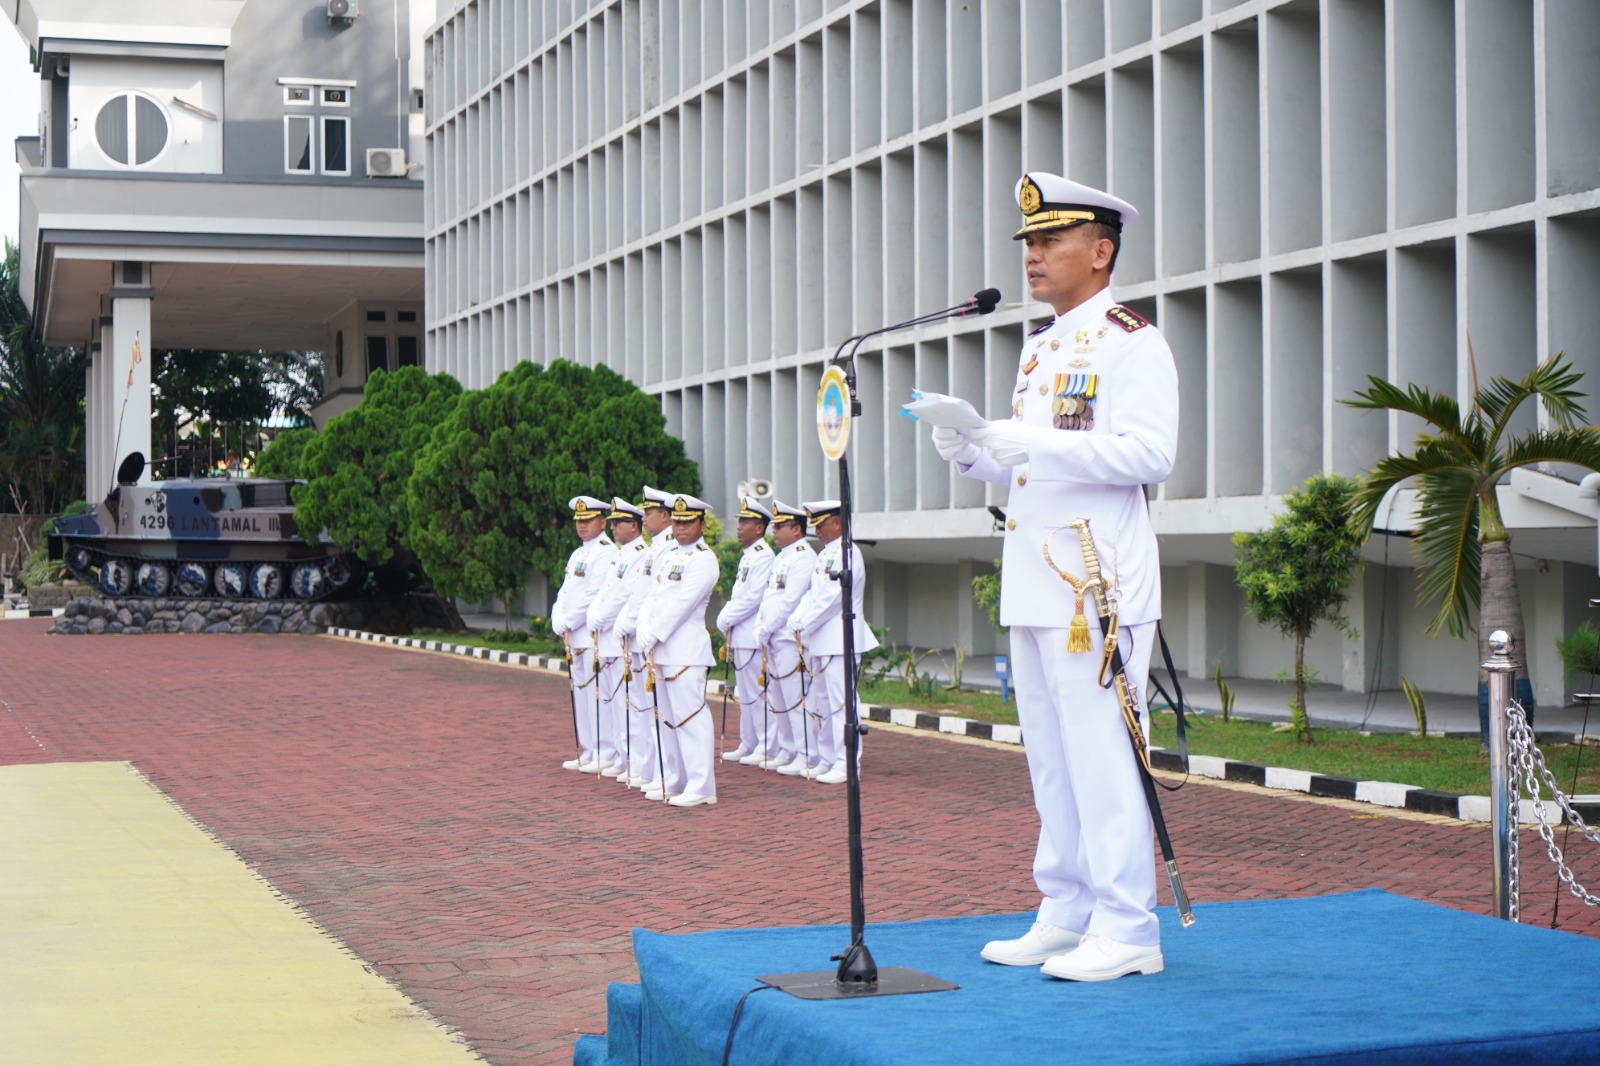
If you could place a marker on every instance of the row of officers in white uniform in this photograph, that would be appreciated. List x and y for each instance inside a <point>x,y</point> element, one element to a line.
<point>633,618</point>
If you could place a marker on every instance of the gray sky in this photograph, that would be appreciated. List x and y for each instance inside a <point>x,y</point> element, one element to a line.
<point>19,116</point>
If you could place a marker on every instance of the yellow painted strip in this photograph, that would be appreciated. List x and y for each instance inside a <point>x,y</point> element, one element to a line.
<point>127,936</point>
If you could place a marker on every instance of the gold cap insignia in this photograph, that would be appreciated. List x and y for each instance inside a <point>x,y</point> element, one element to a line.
<point>1029,198</point>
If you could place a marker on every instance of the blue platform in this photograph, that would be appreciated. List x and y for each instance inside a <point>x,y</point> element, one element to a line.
<point>1367,977</point>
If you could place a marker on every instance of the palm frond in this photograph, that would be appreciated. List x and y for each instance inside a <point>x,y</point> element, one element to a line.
<point>1433,456</point>
<point>1579,446</point>
<point>1552,382</point>
<point>1437,409</point>
<point>1447,541</point>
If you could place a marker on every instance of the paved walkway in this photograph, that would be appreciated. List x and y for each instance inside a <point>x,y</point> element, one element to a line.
<point>408,803</point>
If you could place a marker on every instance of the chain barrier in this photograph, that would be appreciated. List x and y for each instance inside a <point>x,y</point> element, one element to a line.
<point>1529,773</point>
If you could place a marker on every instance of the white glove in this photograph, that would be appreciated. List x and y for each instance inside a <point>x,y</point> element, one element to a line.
<point>1008,441</point>
<point>955,446</point>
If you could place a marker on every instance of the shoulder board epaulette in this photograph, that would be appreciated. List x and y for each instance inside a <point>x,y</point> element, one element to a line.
<point>1126,318</point>
<point>1042,328</point>
<point>638,545</point>
<point>760,546</point>
<point>701,548</point>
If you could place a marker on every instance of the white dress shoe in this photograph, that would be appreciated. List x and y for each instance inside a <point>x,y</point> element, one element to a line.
<point>755,758</point>
<point>736,755</point>
<point>794,768</point>
<point>612,770</point>
<point>1101,959</point>
<point>833,777</point>
<point>632,780</point>
<point>653,793</point>
<point>691,799</point>
<point>592,766</point>
<point>777,762</point>
<point>1044,941</point>
<point>571,764</point>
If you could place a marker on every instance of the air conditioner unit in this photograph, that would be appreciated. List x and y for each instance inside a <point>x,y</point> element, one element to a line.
<point>386,162</point>
<point>342,10</point>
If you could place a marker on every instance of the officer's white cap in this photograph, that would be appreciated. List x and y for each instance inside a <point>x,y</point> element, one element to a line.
<point>585,507</point>
<point>687,508</point>
<point>750,508</point>
<point>655,498</point>
<point>1049,201</point>
<point>817,510</point>
<point>621,508</point>
<point>783,512</point>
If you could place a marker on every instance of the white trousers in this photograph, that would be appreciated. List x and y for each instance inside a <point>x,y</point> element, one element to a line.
<point>826,714</point>
<point>786,712</point>
<point>639,740</point>
<point>1094,863</point>
<point>688,738</point>
<point>584,691</point>
<point>612,709</point>
<point>755,728</point>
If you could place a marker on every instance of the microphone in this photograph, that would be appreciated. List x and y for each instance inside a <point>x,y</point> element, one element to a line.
<point>983,302</point>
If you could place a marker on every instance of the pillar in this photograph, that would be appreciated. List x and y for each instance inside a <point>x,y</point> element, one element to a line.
<point>1215,604</point>
<point>1371,658</point>
<point>129,364</point>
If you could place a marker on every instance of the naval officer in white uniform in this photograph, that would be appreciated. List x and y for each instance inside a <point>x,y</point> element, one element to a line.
<point>673,637</point>
<point>737,621</point>
<point>1094,417</point>
<point>624,571</point>
<point>641,727</point>
<point>787,583</point>
<point>569,618</point>
<point>819,623</point>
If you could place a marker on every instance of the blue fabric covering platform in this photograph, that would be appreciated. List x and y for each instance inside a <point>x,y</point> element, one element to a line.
<point>1366,977</point>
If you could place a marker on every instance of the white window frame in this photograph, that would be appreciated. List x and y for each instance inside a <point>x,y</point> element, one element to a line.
<point>322,143</point>
<point>127,96</point>
<point>309,100</point>
<point>311,142</point>
<point>322,96</point>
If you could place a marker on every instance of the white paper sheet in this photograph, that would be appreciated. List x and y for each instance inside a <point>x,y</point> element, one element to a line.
<point>937,409</point>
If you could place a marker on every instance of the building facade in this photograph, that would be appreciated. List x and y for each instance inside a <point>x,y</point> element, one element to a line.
<point>710,195</point>
<point>222,174</point>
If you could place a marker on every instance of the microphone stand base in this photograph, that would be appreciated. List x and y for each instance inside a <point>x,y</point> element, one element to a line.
<point>825,984</point>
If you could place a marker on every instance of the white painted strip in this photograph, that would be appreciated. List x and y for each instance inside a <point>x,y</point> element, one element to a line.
<point>1294,780</point>
<point>903,716</point>
<point>951,724</point>
<point>1208,766</point>
<point>1383,793</point>
<point>1007,734</point>
<point>1474,808</point>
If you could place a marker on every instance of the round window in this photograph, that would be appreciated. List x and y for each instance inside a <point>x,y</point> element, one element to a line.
<point>131,129</point>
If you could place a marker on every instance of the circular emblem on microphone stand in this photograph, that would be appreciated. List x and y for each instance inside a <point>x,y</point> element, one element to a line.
<point>833,413</point>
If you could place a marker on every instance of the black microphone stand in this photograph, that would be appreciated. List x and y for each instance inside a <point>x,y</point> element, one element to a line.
<point>858,972</point>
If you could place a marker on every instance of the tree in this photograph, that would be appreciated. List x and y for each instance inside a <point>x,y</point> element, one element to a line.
<point>41,407</point>
<point>226,389</point>
<point>1457,462</point>
<point>285,456</point>
<point>358,468</point>
<point>1295,574</point>
<point>489,492</point>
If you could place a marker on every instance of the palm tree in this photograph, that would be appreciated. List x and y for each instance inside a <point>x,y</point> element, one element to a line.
<point>1458,460</point>
<point>41,407</point>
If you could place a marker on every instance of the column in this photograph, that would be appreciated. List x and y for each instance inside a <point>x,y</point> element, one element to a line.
<point>1375,648</point>
<point>1215,604</point>
<point>129,364</point>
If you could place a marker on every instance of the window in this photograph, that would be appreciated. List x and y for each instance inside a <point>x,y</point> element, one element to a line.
<point>335,145</point>
<point>317,140</point>
<point>131,129</point>
<point>377,354</point>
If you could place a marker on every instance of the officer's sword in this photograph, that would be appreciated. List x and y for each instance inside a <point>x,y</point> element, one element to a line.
<point>805,712</point>
<point>766,734</point>
<point>655,701</point>
<point>594,674</point>
<point>627,717</point>
<point>727,656</point>
<point>572,691</point>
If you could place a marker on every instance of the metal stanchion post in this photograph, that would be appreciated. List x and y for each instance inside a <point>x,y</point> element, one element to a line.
<point>1502,669</point>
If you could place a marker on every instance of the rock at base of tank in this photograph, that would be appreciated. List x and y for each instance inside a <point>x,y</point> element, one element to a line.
<point>96,625</point>
<point>269,624</point>
<point>218,627</point>
<point>193,622</point>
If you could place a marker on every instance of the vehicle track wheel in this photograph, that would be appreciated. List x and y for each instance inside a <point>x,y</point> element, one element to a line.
<point>266,581</point>
<point>79,560</point>
<point>229,579</point>
<point>116,577</point>
<point>153,579</point>
<point>192,580</point>
<point>307,581</point>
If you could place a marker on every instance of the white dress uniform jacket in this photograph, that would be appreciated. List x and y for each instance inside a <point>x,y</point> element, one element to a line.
<point>672,621</point>
<point>640,594</point>
<point>1093,471</point>
<point>787,583</point>
<point>819,617</point>
<point>738,616</point>
<point>585,574</point>
<point>624,574</point>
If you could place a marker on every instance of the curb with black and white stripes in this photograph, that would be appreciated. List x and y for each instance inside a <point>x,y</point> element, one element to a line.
<point>1380,793</point>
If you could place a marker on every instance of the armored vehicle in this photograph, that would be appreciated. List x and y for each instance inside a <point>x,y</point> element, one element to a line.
<point>200,537</point>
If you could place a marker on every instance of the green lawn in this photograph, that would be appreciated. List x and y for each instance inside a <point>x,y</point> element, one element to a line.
<point>516,640</point>
<point>1446,764</point>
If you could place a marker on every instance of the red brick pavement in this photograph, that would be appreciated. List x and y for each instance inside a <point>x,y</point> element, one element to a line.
<point>410,803</point>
